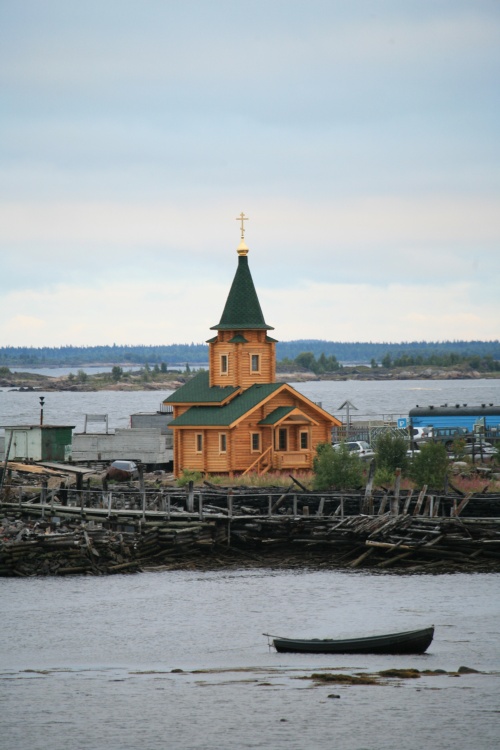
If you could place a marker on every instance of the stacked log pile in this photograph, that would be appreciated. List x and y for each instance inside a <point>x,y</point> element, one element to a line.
<point>38,549</point>
<point>239,528</point>
<point>419,542</point>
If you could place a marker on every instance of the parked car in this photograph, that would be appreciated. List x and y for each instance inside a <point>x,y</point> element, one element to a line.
<point>360,447</point>
<point>419,434</point>
<point>122,471</point>
<point>481,451</point>
<point>448,435</point>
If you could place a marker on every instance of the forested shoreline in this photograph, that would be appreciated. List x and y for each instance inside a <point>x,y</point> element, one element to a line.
<point>444,353</point>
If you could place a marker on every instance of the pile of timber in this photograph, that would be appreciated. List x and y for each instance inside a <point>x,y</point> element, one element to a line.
<point>400,535</point>
<point>39,549</point>
<point>421,543</point>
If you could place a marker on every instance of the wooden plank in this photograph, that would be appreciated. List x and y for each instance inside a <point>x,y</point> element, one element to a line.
<point>463,503</point>
<point>420,500</point>
<point>407,502</point>
<point>355,563</point>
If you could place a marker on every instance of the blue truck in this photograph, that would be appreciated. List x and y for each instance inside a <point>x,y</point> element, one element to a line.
<point>451,421</point>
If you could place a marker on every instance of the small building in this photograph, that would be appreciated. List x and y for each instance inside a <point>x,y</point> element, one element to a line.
<point>235,418</point>
<point>147,445</point>
<point>38,442</point>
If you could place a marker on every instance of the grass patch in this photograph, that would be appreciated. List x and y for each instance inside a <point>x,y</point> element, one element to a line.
<point>342,679</point>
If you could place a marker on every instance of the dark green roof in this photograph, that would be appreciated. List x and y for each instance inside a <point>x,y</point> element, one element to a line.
<point>277,414</point>
<point>212,416</point>
<point>238,339</point>
<point>198,390</point>
<point>242,308</point>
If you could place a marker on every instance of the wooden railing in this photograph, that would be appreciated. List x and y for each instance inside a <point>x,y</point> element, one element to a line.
<point>292,460</point>
<point>258,463</point>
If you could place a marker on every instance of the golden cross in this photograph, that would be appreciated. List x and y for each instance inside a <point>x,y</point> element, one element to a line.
<point>242,218</point>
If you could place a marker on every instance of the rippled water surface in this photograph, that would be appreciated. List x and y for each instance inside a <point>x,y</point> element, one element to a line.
<point>92,662</point>
<point>88,662</point>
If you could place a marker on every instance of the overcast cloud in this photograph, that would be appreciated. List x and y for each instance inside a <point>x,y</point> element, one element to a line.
<point>361,138</point>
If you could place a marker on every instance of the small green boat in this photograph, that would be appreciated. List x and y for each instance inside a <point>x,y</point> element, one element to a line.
<point>408,642</point>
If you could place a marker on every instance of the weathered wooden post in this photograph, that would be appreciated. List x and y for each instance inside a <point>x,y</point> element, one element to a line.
<point>406,506</point>
<point>295,505</point>
<point>142,490</point>
<point>190,497</point>
<point>420,500</point>
<point>270,505</point>
<point>368,501</point>
<point>397,490</point>
<point>6,461</point>
<point>43,496</point>
<point>200,505</point>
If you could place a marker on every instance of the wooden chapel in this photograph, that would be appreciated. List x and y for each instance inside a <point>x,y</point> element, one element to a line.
<point>235,418</point>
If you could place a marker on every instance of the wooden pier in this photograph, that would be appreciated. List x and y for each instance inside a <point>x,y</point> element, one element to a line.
<point>127,530</point>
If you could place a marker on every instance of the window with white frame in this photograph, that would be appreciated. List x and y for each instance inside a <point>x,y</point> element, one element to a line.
<point>255,442</point>
<point>255,362</point>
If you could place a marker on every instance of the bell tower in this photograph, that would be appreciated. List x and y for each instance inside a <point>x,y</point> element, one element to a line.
<point>242,353</point>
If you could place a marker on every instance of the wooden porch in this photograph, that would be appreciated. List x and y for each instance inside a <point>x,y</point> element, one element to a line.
<point>279,460</point>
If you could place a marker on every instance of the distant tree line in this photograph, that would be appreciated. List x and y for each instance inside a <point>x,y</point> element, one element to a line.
<point>308,362</point>
<point>405,353</point>
<point>484,363</point>
<point>364,352</point>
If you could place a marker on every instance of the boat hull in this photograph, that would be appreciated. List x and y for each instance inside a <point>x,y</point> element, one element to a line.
<point>409,642</point>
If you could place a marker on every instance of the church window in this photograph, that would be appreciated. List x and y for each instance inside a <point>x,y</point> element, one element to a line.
<point>222,442</point>
<point>255,438</point>
<point>199,442</point>
<point>255,363</point>
<point>224,364</point>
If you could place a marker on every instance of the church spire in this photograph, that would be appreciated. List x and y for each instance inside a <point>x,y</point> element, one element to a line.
<point>242,309</point>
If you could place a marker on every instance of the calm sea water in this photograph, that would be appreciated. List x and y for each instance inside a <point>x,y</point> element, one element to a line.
<point>370,398</point>
<point>87,662</point>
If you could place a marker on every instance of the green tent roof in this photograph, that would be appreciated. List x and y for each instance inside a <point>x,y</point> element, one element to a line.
<point>212,416</point>
<point>242,309</point>
<point>198,390</point>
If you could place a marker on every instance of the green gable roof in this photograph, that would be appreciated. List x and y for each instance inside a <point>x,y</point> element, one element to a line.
<point>198,390</point>
<point>223,416</point>
<point>277,414</point>
<point>242,309</point>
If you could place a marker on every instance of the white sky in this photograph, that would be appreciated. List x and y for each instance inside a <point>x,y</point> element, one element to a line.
<point>361,138</point>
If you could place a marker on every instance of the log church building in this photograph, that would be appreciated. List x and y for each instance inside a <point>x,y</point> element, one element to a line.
<point>235,418</point>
